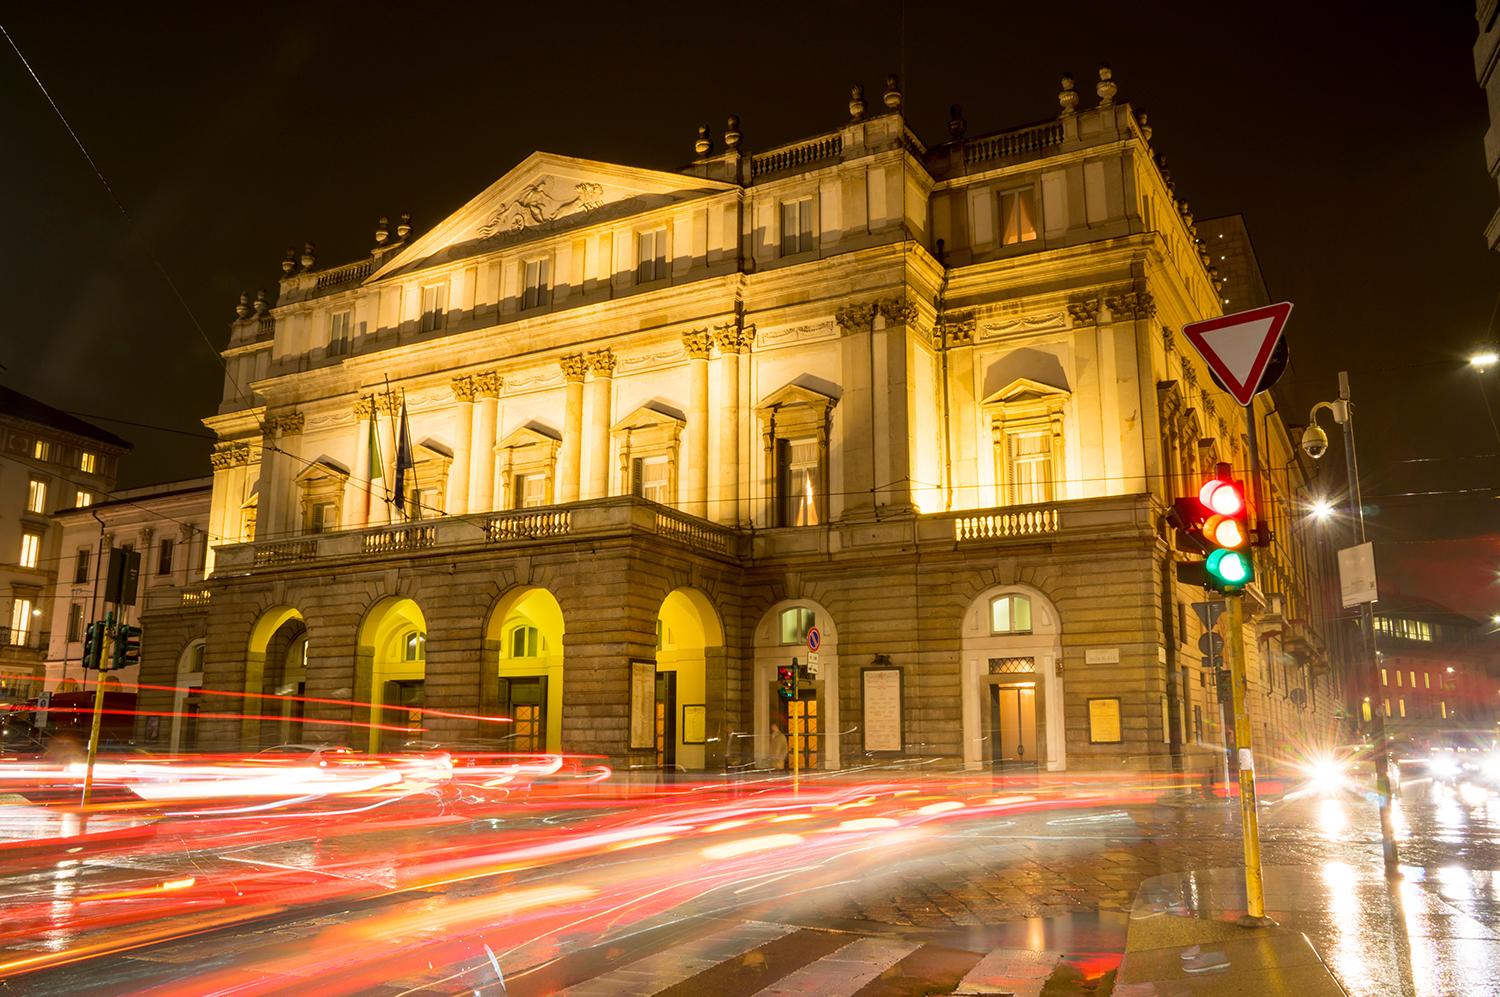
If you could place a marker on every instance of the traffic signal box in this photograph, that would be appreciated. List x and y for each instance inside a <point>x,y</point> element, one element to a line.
<point>93,645</point>
<point>1216,525</point>
<point>127,646</point>
<point>786,681</point>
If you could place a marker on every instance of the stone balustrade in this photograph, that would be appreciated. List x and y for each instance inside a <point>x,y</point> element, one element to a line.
<point>1013,143</point>
<point>795,156</point>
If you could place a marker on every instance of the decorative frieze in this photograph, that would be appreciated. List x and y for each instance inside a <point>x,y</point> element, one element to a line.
<point>698,344</point>
<point>1023,324</point>
<point>574,367</point>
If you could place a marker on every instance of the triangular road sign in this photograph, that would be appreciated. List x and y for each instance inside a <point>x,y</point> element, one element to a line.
<point>1237,347</point>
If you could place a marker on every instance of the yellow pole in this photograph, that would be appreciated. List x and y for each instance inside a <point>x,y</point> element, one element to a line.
<point>794,727</point>
<point>1234,641</point>
<point>106,657</point>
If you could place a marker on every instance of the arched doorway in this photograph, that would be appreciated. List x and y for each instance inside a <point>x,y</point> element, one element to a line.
<point>1012,693</point>
<point>186,700</point>
<point>780,637</point>
<point>391,671</point>
<point>275,638</point>
<point>523,675</point>
<point>688,632</point>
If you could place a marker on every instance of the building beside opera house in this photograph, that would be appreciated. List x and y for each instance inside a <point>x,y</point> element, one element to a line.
<point>651,428</point>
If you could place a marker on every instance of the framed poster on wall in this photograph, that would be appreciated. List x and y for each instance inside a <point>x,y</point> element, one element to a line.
<point>882,709</point>
<point>1104,721</point>
<point>642,704</point>
<point>694,724</point>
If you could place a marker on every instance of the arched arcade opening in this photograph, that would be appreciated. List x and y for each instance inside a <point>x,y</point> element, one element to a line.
<point>391,672</point>
<point>523,670</point>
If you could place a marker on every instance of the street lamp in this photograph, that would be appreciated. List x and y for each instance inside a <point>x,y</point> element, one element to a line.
<point>1322,509</point>
<point>1315,445</point>
<point>1484,360</point>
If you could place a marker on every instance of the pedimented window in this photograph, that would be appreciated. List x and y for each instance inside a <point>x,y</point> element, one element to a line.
<point>794,425</point>
<point>647,441</point>
<point>322,491</point>
<point>1026,424</point>
<point>526,463</point>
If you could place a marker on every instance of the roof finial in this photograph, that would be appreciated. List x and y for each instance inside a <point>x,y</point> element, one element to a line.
<point>732,133</point>
<point>1145,124</point>
<point>1106,87</point>
<point>242,309</point>
<point>1067,97</point>
<point>261,304</point>
<point>403,228</point>
<point>856,103</point>
<point>382,230</point>
<point>956,123</point>
<point>892,95</point>
<point>309,256</point>
<point>705,143</point>
<point>289,261</point>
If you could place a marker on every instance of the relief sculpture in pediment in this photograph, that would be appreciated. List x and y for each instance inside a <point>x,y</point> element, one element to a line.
<point>536,204</point>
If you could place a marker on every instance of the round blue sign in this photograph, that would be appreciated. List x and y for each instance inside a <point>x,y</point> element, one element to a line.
<point>814,639</point>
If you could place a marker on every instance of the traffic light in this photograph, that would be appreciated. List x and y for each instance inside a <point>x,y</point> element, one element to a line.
<point>93,645</point>
<point>127,646</point>
<point>786,681</point>
<point>1227,532</point>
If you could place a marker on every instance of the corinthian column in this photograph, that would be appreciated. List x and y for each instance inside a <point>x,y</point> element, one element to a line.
<point>732,339</point>
<point>482,442</point>
<point>697,344</point>
<point>569,456</point>
<point>459,482</point>
<point>357,494</point>
<point>602,363</point>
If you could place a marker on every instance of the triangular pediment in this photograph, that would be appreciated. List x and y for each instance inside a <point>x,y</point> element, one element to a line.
<point>1024,389</point>
<point>648,417</point>
<point>795,394</point>
<point>323,467</point>
<point>528,436</point>
<point>543,195</point>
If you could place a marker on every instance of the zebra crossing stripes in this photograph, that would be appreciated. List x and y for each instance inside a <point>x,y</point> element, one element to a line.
<point>657,972</point>
<point>844,971</point>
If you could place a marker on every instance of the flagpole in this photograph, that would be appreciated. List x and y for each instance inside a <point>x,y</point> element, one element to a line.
<point>391,414</point>
<point>414,502</point>
<point>376,461</point>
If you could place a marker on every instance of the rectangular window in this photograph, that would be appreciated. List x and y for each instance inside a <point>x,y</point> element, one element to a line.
<point>1384,678</point>
<point>536,290</point>
<point>82,499</point>
<point>1443,708</point>
<point>434,306</point>
<point>796,226</point>
<point>324,518</point>
<point>530,491</point>
<point>75,622</point>
<point>1398,678</point>
<point>797,482</point>
<point>1413,676</point>
<point>1401,705</point>
<point>1017,216</point>
<point>651,259</point>
<point>87,462</point>
<point>1387,707</point>
<point>42,450</point>
<point>31,549</point>
<point>81,565</point>
<point>20,620</point>
<point>648,479</point>
<point>1029,463</point>
<point>164,557</point>
<point>339,328</point>
<point>36,496</point>
<point>1427,680</point>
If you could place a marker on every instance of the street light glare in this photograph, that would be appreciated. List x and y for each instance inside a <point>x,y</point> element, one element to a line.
<point>1322,509</point>
<point>1485,360</point>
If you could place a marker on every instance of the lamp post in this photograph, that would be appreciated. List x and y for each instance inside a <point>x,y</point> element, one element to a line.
<point>1315,444</point>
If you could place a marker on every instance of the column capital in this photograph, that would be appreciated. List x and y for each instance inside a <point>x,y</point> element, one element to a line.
<point>573,366</point>
<point>897,310</point>
<point>487,384</point>
<point>229,455</point>
<point>601,362</point>
<point>733,337</point>
<point>285,425</point>
<point>364,407</point>
<point>463,388</point>
<point>387,403</point>
<point>697,344</point>
<point>852,318</point>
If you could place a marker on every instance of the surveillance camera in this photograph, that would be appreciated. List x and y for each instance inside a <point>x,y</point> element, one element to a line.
<point>1314,441</point>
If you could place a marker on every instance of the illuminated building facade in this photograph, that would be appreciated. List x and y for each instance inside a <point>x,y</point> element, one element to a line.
<point>1438,674</point>
<point>929,400</point>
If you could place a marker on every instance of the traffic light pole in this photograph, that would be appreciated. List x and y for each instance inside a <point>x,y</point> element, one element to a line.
<point>106,658</point>
<point>1234,644</point>
<point>794,736</point>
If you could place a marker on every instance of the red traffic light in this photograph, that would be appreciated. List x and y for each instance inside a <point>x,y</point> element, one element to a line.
<point>1223,498</point>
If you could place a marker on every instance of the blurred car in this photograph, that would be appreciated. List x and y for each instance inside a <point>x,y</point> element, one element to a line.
<point>322,754</point>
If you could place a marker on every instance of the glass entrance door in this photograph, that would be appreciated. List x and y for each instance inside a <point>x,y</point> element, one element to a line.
<point>1013,723</point>
<point>666,720</point>
<point>526,705</point>
<point>802,731</point>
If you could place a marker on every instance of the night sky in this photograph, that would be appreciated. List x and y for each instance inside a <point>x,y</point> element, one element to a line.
<point>1349,135</point>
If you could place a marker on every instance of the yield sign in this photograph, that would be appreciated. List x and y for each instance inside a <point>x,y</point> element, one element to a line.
<point>1237,347</point>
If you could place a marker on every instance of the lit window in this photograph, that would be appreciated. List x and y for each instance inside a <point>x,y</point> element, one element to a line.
<point>1384,678</point>
<point>31,549</point>
<point>1028,465</point>
<point>82,499</point>
<point>414,646</point>
<point>42,450</point>
<point>434,305</point>
<point>1427,680</point>
<point>536,289</point>
<point>649,479</point>
<point>1387,707</point>
<point>339,327</point>
<point>529,491</point>
<point>323,517</point>
<point>1398,678</point>
<point>651,258</point>
<point>1401,705</point>
<point>36,496</point>
<point>1017,216</point>
<point>795,623</point>
<point>87,462</point>
<point>1443,707</point>
<point>797,481</point>
<point>796,226</point>
<point>20,620</point>
<point>1010,614</point>
<point>523,642</point>
<point>1413,676</point>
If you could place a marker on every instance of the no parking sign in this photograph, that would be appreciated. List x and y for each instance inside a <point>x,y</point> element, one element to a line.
<point>814,639</point>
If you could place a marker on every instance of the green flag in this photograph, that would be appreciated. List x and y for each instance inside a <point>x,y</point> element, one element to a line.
<point>376,470</point>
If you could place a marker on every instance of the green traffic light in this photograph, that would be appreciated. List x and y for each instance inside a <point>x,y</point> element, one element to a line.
<point>1230,569</point>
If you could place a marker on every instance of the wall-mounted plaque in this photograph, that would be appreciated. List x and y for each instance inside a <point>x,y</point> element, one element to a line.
<point>1104,721</point>
<point>882,709</point>
<point>694,724</point>
<point>643,704</point>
